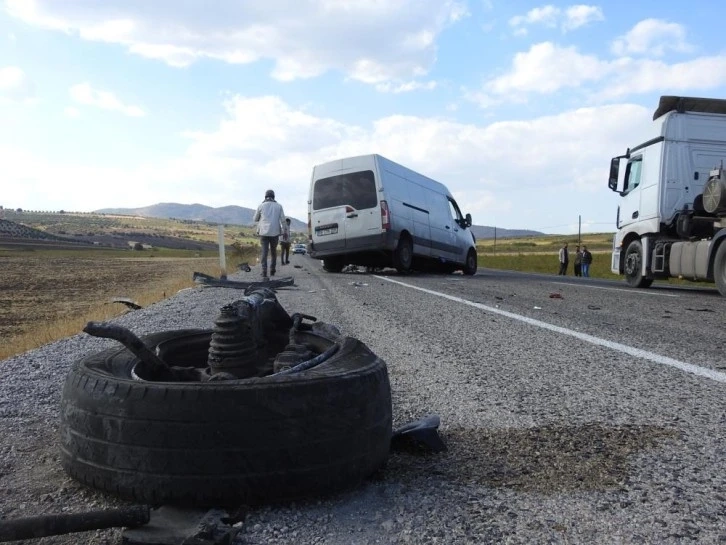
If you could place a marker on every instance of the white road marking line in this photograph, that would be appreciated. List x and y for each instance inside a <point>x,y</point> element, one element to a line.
<point>634,291</point>
<point>630,350</point>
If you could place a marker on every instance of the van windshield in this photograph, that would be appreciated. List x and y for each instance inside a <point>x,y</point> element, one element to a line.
<point>356,189</point>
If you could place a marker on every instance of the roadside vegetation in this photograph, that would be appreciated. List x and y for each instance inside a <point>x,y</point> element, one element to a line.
<point>541,254</point>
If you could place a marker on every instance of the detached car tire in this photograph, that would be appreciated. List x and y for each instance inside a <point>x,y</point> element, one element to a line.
<point>254,440</point>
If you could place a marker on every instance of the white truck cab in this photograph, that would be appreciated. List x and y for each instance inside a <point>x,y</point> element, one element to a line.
<point>672,209</point>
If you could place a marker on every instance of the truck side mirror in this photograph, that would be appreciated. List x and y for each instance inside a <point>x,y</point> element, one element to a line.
<point>467,219</point>
<point>614,171</point>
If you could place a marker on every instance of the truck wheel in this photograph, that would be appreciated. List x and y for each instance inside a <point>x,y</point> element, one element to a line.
<point>719,269</point>
<point>225,442</point>
<point>333,265</point>
<point>634,266</point>
<point>403,256</point>
<point>470,265</point>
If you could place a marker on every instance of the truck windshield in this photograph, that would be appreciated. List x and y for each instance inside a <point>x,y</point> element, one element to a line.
<point>356,189</point>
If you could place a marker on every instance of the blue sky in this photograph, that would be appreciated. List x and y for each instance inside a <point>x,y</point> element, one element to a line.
<point>516,106</point>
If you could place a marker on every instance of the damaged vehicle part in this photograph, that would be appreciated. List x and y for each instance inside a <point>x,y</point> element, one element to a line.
<point>67,523</point>
<point>250,427</point>
<point>210,281</point>
<point>420,434</point>
<point>171,525</point>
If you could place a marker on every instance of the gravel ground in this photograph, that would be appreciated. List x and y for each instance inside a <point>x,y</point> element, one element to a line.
<point>540,451</point>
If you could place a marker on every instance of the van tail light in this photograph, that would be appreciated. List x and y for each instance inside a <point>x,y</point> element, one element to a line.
<point>385,216</point>
<point>310,227</point>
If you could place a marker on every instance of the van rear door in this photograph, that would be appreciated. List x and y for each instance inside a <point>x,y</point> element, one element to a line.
<point>345,210</point>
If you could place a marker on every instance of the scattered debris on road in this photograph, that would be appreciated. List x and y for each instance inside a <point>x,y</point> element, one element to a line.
<point>171,525</point>
<point>133,305</point>
<point>210,281</point>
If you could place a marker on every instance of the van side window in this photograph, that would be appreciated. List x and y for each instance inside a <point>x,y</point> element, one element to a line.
<point>633,173</point>
<point>356,189</point>
<point>455,212</point>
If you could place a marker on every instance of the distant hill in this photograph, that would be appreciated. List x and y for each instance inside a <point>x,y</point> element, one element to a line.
<point>483,231</point>
<point>11,229</point>
<point>238,215</point>
<point>228,215</point>
<point>18,234</point>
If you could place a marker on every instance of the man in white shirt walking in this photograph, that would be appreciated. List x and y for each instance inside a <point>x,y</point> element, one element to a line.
<point>270,219</point>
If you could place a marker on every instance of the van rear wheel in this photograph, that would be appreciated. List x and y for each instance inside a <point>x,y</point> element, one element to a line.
<point>403,255</point>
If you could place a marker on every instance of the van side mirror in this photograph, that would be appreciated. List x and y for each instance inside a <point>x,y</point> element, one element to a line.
<point>467,219</point>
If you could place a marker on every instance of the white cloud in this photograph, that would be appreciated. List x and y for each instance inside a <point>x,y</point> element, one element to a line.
<point>652,38</point>
<point>15,84</point>
<point>581,15</point>
<point>370,41</point>
<point>396,88</point>
<point>550,16</point>
<point>83,93</point>
<point>264,142</point>
<point>547,68</point>
<point>646,76</point>
<point>546,15</point>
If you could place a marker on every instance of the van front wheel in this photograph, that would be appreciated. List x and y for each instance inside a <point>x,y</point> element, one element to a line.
<point>470,264</point>
<point>403,255</point>
<point>333,265</point>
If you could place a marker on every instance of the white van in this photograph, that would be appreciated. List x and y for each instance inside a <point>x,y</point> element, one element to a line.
<point>370,211</point>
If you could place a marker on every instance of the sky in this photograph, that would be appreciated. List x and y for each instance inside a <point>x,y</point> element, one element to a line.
<point>516,106</point>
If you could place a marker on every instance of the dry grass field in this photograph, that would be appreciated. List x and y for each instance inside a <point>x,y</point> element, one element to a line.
<point>46,297</point>
<point>50,287</point>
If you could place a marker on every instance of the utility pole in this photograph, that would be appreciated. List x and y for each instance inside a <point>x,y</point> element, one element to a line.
<point>495,238</point>
<point>579,226</point>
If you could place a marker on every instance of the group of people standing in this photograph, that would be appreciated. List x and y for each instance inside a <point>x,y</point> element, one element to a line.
<point>582,261</point>
<point>273,228</point>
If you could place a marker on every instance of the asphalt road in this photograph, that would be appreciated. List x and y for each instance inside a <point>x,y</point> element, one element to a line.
<point>575,410</point>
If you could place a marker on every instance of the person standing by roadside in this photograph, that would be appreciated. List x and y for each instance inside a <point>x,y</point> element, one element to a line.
<point>564,259</point>
<point>285,243</point>
<point>586,261</point>
<point>270,225</point>
<point>578,261</point>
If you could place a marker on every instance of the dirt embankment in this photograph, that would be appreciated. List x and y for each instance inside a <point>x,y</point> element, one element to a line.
<point>37,291</point>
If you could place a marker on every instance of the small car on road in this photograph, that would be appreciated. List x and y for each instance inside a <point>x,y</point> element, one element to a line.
<point>299,249</point>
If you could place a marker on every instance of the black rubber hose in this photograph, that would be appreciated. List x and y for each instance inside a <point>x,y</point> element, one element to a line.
<point>53,525</point>
<point>309,364</point>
